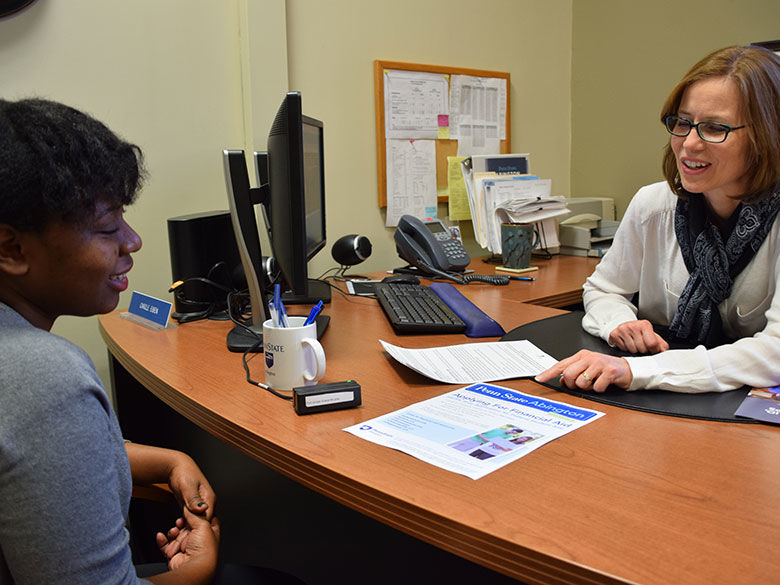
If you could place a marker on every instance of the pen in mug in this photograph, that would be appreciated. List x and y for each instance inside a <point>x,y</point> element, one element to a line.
<point>314,312</point>
<point>281,314</point>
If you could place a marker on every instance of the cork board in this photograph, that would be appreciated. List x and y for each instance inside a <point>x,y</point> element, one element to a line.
<point>444,147</point>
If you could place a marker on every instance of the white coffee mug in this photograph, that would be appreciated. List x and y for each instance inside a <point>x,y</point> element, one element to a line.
<point>293,356</point>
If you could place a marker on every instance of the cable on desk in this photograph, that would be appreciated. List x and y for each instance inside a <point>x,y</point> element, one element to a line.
<point>495,279</point>
<point>207,309</point>
<point>249,379</point>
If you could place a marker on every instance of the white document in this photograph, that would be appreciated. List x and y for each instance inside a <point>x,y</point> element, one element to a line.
<point>474,141</point>
<point>414,100</point>
<point>502,191</point>
<point>411,179</point>
<point>474,430</point>
<point>531,210</point>
<point>477,114</point>
<point>474,362</point>
<point>477,109</point>
<point>483,217</point>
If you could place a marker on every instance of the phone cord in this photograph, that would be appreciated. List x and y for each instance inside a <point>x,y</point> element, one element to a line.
<point>497,279</point>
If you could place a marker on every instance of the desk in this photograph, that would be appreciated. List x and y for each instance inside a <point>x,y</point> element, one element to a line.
<point>631,498</point>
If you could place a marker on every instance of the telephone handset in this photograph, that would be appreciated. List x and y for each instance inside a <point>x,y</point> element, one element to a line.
<point>429,246</point>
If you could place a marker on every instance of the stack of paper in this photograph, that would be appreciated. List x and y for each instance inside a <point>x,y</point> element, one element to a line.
<point>508,198</point>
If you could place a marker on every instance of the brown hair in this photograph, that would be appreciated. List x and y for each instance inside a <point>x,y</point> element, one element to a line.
<point>756,74</point>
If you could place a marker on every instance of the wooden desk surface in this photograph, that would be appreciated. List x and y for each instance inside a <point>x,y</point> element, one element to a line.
<point>630,498</point>
<point>558,280</point>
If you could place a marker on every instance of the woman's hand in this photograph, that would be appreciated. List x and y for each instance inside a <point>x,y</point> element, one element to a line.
<point>193,537</point>
<point>637,337</point>
<point>149,465</point>
<point>191,487</point>
<point>588,370</point>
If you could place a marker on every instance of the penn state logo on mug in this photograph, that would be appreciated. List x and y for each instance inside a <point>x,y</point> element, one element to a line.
<point>269,359</point>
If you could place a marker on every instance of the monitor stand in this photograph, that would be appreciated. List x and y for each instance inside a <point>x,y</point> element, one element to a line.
<point>240,340</point>
<point>318,291</point>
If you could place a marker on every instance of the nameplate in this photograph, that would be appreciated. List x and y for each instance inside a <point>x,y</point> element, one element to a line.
<point>156,311</point>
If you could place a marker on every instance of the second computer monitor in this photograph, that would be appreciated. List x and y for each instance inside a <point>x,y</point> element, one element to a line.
<point>296,197</point>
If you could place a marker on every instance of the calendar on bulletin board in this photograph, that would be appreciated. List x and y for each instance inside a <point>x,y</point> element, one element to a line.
<point>427,114</point>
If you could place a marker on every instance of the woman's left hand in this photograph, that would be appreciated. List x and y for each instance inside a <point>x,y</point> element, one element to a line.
<point>149,465</point>
<point>588,370</point>
<point>191,487</point>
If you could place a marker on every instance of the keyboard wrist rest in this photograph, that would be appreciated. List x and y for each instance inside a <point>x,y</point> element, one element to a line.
<point>478,323</point>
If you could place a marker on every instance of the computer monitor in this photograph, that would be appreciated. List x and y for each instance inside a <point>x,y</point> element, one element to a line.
<point>291,191</point>
<point>242,200</point>
<point>296,200</point>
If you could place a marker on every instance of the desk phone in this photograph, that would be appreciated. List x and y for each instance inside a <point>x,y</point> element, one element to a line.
<point>429,245</point>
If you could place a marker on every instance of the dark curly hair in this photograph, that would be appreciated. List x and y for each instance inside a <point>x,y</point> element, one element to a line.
<point>57,162</point>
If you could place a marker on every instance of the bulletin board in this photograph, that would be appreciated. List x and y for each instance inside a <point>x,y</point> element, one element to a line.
<point>444,147</point>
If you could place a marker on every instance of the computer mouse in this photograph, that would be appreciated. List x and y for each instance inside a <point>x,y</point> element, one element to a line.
<point>402,279</point>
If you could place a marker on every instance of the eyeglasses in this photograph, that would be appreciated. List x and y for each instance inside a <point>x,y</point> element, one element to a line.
<point>707,131</point>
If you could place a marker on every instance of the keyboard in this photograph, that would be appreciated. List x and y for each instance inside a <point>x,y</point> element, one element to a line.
<point>440,308</point>
<point>415,308</point>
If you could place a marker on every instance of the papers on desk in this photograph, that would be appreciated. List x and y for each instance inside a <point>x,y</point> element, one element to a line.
<point>474,362</point>
<point>474,430</point>
<point>510,198</point>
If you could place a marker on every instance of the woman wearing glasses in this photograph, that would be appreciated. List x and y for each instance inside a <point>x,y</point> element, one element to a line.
<point>701,251</point>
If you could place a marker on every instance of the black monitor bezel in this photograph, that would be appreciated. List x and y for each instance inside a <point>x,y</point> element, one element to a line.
<point>286,203</point>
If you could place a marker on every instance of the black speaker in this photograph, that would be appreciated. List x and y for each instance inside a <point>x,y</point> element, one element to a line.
<point>203,245</point>
<point>351,249</point>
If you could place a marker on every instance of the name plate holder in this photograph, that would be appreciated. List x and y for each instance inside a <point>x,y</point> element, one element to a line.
<point>149,311</point>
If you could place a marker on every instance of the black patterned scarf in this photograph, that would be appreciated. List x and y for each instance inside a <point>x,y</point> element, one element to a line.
<point>712,264</point>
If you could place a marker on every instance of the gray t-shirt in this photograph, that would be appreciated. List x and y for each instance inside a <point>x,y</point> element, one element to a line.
<point>64,475</point>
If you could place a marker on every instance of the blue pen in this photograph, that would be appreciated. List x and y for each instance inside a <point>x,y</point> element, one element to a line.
<point>521,278</point>
<point>281,314</point>
<point>313,315</point>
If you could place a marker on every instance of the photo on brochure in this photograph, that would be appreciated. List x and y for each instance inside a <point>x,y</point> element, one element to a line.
<point>495,442</point>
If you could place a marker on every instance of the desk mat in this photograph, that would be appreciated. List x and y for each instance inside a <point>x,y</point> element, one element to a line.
<point>563,335</point>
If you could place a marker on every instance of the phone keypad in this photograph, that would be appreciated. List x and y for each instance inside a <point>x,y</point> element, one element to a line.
<point>454,249</point>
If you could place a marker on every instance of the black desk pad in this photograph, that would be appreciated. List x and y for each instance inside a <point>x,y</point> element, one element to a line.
<point>563,335</point>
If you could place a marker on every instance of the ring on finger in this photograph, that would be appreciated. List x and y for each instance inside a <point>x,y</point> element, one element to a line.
<point>586,376</point>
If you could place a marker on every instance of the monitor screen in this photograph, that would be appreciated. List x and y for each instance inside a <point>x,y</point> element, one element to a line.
<point>313,188</point>
<point>296,198</point>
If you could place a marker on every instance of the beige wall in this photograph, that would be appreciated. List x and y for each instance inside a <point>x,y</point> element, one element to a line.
<point>627,56</point>
<point>332,46</point>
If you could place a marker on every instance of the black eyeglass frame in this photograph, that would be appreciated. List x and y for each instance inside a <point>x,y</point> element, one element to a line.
<point>673,117</point>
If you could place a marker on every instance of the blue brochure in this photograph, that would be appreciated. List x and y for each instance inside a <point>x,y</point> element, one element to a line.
<point>761,404</point>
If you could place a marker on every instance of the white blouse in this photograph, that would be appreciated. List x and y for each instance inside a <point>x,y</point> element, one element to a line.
<point>645,257</point>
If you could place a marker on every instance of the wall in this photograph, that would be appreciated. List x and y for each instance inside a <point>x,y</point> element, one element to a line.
<point>332,47</point>
<point>627,56</point>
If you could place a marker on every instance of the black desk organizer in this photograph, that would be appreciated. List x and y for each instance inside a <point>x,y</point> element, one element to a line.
<point>563,336</point>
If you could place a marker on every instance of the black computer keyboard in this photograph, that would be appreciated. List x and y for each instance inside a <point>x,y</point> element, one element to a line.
<point>414,308</point>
